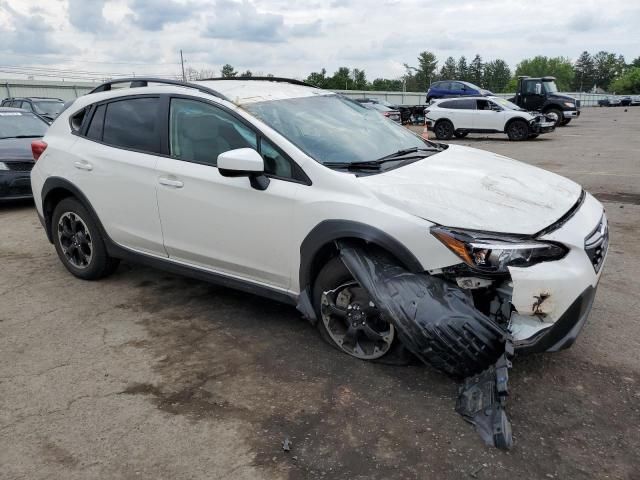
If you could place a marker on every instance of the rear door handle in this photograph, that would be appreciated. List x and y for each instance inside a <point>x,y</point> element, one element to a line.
<point>169,182</point>
<point>83,165</point>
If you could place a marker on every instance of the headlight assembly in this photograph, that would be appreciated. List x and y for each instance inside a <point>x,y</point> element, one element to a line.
<point>570,104</point>
<point>3,166</point>
<point>494,253</point>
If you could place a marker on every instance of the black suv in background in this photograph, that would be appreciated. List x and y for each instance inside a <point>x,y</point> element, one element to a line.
<point>46,108</point>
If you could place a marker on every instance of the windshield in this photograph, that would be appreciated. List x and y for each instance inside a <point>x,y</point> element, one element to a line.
<point>21,124</point>
<point>49,108</point>
<point>506,103</point>
<point>333,129</point>
<point>549,87</point>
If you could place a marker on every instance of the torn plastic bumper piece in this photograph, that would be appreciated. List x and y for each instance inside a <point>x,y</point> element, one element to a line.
<point>482,402</point>
<point>435,320</point>
<point>440,325</point>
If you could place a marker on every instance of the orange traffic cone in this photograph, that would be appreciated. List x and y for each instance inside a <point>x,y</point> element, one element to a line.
<point>425,131</point>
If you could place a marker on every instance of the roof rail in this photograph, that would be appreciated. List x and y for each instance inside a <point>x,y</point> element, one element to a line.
<point>135,82</point>
<point>269,79</point>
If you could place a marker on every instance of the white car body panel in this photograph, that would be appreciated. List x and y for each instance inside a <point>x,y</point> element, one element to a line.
<point>491,119</point>
<point>469,188</point>
<point>220,224</point>
<point>544,279</point>
<point>239,230</point>
<point>118,181</point>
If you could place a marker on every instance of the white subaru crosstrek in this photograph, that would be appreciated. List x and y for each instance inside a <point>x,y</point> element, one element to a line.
<point>460,116</point>
<point>271,185</point>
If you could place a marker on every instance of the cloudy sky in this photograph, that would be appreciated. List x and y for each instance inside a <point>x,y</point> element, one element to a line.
<point>292,38</point>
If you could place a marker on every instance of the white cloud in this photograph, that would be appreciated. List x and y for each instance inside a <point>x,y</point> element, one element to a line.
<point>293,38</point>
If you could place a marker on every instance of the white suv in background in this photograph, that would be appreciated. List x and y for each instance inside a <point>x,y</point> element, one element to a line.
<point>460,116</point>
<point>277,188</point>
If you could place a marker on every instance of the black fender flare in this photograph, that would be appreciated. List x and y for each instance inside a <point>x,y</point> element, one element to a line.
<point>328,231</point>
<point>511,120</point>
<point>55,183</point>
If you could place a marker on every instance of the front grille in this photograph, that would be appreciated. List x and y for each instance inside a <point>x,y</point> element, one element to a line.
<point>597,242</point>
<point>19,166</point>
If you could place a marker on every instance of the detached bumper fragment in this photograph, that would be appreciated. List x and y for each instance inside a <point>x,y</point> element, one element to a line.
<point>439,324</point>
<point>435,320</point>
<point>482,402</point>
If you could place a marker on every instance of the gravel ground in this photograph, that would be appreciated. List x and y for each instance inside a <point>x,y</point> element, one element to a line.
<point>149,375</point>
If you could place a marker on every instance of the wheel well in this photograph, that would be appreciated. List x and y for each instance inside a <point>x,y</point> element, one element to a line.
<point>511,120</point>
<point>330,250</point>
<point>49,202</point>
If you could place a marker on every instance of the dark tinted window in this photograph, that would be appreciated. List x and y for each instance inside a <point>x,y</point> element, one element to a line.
<point>94,132</point>
<point>133,123</point>
<point>444,86</point>
<point>484,105</point>
<point>199,132</point>
<point>460,104</point>
<point>274,162</point>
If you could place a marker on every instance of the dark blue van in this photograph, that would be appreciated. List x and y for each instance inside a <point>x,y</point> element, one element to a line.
<point>454,88</point>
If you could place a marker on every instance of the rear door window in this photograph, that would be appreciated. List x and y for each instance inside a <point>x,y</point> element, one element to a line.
<point>94,132</point>
<point>133,123</point>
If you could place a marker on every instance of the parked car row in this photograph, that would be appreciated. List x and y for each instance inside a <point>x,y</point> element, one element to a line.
<point>619,101</point>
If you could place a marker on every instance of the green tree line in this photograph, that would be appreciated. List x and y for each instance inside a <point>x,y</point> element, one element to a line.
<point>603,70</point>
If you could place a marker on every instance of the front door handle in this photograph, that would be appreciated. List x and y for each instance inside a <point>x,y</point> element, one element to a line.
<point>169,182</point>
<point>83,165</point>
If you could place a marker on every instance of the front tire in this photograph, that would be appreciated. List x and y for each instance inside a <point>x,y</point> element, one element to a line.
<point>518,130</point>
<point>78,241</point>
<point>347,318</point>
<point>444,130</point>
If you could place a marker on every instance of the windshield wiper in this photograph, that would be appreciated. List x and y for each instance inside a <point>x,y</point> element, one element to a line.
<point>367,165</point>
<point>376,164</point>
<point>22,136</point>
<point>406,151</point>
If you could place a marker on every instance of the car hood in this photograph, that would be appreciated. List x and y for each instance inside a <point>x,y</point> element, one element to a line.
<point>470,188</point>
<point>561,98</point>
<point>16,149</point>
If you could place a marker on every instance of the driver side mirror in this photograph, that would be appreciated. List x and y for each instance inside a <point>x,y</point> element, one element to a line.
<point>244,162</point>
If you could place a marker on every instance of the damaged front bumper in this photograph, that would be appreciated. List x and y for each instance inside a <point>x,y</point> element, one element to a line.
<point>551,301</point>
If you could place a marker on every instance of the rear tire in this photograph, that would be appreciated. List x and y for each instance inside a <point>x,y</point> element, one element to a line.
<point>78,241</point>
<point>459,134</point>
<point>518,130</point>
<point>443,129</point>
